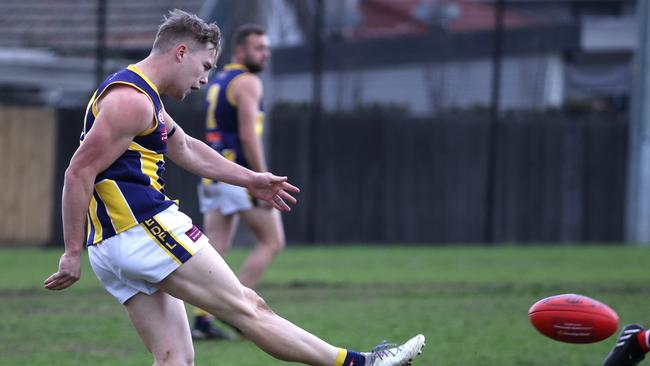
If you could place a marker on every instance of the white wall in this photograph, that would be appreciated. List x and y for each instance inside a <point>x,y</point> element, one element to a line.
<point>609,33</point>
<point>528,82</point>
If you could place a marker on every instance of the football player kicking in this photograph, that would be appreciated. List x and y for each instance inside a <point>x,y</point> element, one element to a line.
<point>146,252</point>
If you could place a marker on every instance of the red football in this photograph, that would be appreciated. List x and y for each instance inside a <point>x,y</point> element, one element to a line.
<point>573,318</point>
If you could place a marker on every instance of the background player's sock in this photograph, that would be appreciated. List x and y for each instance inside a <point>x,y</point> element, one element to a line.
<point>202,322</point>
<point>202,319</point>
<point>201,312</point>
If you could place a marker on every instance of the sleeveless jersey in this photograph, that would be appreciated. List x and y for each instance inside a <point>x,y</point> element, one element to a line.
<point>222,129</point>
<point>131,190</point>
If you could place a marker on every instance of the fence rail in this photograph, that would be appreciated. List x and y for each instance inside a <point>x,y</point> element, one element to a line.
<point>387,177</point>
<point>559,177</point>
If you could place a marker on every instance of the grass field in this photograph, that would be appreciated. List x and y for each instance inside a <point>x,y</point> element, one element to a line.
<point>470,302</point>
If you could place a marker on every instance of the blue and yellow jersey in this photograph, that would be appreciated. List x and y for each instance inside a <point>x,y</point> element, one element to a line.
<point>222,129</point>
<point>131,190</point>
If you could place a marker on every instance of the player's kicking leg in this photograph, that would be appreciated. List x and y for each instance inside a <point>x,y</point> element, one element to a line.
<point>206,281</point>
<point>630,348</point>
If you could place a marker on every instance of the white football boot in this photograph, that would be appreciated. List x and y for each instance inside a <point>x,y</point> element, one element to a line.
<point>390,355</point>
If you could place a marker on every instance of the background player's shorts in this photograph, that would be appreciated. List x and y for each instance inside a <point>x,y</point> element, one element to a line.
<point>136,259</point>
<point>223,197</point>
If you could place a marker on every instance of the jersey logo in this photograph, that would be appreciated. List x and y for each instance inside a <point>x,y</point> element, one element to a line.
<point>160,117</point>
<point>194,233</point>
<point>163,131</point>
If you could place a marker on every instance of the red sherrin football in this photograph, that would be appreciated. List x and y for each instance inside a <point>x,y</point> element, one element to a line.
<point>573,318</point>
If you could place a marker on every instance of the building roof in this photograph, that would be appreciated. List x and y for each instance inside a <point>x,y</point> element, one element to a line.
<point>70,26</point>
<point>383,18</point>
<point>47,48</point>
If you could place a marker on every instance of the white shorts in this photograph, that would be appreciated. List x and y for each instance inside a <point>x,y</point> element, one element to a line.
<point>136,259</point>
<point>223,197</point>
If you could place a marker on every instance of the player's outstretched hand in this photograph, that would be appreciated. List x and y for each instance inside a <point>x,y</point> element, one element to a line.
<point>273,189</point>
<point>69,272</point>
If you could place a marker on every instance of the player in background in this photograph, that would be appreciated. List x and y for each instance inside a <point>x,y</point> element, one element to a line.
<point>234,126</point>
<point>147,253</point>
<point>631,346</point>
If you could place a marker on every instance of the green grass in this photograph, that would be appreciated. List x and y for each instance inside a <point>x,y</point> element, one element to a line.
<point>470,302</point>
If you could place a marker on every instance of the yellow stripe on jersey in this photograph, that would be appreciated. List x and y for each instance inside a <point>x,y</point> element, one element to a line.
<point>90,105</point>
<point>93,104</point>
<point>235,67</point>
<point>259,126</point>
<point>118,209</point>
<point>153,86</point>
<point>229,91</point>
<point>148,162</point>
<point>212,98</point>
<point>94,220</point>
<point>144,77</point>
<point>229,154</point>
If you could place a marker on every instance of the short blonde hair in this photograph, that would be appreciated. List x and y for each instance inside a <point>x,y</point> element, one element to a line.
<point>180,26</point>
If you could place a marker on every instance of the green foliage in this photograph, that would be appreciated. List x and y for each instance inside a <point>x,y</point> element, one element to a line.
<point>471,303</point>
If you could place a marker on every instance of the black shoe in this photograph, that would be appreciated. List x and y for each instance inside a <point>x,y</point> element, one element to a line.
<point>205,330</point>
<point>627,351</point>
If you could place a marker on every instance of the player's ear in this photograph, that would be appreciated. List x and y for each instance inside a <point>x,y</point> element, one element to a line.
<point>180,51</point>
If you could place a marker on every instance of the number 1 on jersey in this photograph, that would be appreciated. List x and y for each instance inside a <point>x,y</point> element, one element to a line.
<point>212,98</point>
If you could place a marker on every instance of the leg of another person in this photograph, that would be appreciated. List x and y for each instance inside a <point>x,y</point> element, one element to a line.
<point>266,225</point>
<point>220,230</point>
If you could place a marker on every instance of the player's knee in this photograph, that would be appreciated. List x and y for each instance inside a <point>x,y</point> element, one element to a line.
<point>281,244</point>
<point>246,306</point>
<point>258,306</point>
<point>262,307</point>
<point>275,245</point>
<point>173,356</point>
<point>251,311</point>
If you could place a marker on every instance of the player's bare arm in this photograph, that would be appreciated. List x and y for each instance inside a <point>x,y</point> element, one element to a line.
<point>123,113</point>
<point>198,158</point>
<point>247,93</point>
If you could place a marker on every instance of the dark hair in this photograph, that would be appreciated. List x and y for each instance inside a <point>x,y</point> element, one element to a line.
<point>180,25</point>
<point>242,32</point>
